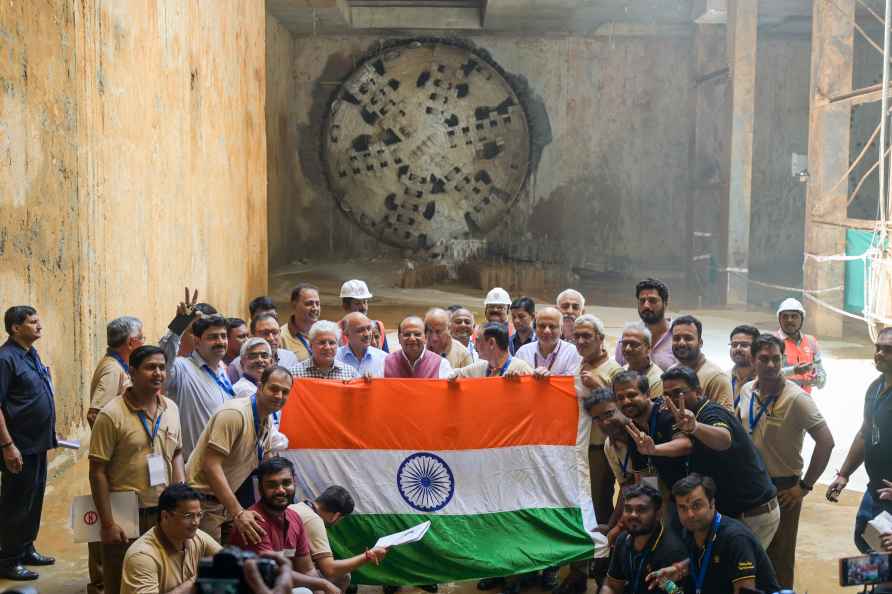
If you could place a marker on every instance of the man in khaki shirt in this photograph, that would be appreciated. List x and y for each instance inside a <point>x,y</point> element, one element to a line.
<point>436,330</point>
<point>164,560</point>
<point>495,360</point>
<point>135,447</point>
<point>305,311</point>
<point>777,413</point>
<point>635,345</point>
<point>687,342</point>
<point>230,448</point>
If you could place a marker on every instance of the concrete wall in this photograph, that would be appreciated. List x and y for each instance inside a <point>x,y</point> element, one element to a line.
<point>133,136</point>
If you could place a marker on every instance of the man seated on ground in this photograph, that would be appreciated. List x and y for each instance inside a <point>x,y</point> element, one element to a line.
<point>284,529</point>
<point>635,345</point>
<point>327,510</point>
<point>359,353</point>
<point>265,326</point>
<point>461,327</point>
<point>165,559</point>
<point>523,315</point>
<point>550,355</point>
<point>324,338</point>
<point>414,360</point>
<point>355,297</point>
<point>645,546</point>
<point>724,557</point>
<point>687,345</point>
<point>436,332</point>
<point>495,360</point>
<point>571,303</point>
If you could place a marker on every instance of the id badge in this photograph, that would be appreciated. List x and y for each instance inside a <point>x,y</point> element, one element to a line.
<point>875,434</point>
<point>157,470</point>
<point>289,552</point>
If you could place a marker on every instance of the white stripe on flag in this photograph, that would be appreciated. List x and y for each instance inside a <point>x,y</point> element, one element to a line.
<point>483,481</point>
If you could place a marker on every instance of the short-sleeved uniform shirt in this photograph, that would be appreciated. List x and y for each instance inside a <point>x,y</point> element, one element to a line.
<point>877,431</point>
<point>604,372</point>
<point>779,431</point>
<point>661,427</point>
<point>736,556</point>
<point>716,385</point>
<point>151,565</point>
<point>296,343</point>
<point>630,566</point>
<point>654,377</point>
<point>619,458</point>
<point>230,432</point>
<point>739,472</point>
<point>26,399</point>
<point>120,440</point>
<point>283,535</point>
<point>110,379</point>
<point>314,527</point>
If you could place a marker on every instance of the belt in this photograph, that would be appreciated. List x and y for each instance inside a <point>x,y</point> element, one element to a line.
<point>760,510</point>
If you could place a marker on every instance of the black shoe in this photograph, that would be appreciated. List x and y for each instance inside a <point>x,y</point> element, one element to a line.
<point>390,589</point>
<point>490,583</point>
<point>549,580</point>
<point>18,573</point>
<point>429,588</point>
<point>35,558</point>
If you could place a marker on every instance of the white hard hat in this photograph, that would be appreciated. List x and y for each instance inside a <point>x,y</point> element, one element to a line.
<point>790,304</point>
<point>497,296</point>
<point>355,289</point>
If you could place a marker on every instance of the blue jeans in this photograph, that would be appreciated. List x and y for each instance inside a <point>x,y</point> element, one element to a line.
<point>867,511</point>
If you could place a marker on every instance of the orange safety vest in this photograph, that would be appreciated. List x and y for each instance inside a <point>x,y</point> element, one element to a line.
<point>804,352</point>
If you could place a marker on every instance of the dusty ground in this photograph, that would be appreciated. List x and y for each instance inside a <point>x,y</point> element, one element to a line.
<point>825,532</point>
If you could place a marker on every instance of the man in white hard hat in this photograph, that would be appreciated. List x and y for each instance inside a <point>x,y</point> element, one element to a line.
<point>355,296</point>
<point>803,355</point>
<point>496,304</point>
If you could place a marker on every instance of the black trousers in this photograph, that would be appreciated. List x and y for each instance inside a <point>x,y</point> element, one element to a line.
<point>21,503</point>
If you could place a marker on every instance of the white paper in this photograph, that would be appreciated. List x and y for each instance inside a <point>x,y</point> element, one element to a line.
<point>413,534</point>
<point>157,470</point>
<point>882,524</point>
<point>85,518</point>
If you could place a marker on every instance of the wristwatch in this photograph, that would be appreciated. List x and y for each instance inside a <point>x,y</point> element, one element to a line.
<point>805,487</point>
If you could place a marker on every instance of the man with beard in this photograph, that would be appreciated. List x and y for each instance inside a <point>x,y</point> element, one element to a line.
<point>742,338</point>
<point>359,353</point>
<point>324,339</point>
<point>198,384</point>
<point>414,360</point>
<point>549,354</point>
<point>645,546</point>
<point>653,301</point>
<point>687,342</point>
<point>778,414</point>
<point>284,531</point>
<point>305,311</point>
<point>461,327</point>
<point>635,342</point>
<point>723,555</point>
<point>572,305</point>
<point>523,314</point>
<point>232,445</point>
<point>135,447</point>
<point>265,326</point>
<point>355,297</point>
<point>802,351</point>
<point>436,332</point>
<point>496,304</point>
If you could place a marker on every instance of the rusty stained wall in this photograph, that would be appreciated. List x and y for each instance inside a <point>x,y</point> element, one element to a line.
<point>616,138</point>
<point>136,150</point>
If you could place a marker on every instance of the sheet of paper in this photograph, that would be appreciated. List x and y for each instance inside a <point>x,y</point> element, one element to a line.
<point>413,534</point>
<point>85,518</point>
<point>873,532</point>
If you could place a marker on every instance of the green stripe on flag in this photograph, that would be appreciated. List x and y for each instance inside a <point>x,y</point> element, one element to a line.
<point>464,547</point>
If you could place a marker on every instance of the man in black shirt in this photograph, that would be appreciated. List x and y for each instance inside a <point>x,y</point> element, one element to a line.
<point>724,452</point>
<point>644,547</point>
<point>27,431</point>
<point>724,557</point>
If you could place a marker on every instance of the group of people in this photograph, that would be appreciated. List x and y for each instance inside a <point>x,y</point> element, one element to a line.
<point>708,462</point>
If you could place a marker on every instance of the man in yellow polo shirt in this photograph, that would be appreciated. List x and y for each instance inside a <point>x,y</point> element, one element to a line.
<point>135,446</point>
<point>305,311</point>
<point>164,560</point>
<point>229,449</point>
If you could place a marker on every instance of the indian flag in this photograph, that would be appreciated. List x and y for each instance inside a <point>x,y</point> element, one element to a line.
<point>498,466</point>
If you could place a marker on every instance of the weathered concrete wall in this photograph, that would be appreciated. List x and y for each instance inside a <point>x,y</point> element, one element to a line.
<point>134,138</point>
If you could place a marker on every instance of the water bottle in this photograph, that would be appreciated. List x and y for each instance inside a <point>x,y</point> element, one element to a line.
<point>669,587</point>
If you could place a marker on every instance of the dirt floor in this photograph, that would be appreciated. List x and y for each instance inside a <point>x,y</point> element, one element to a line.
<point>825,532</point>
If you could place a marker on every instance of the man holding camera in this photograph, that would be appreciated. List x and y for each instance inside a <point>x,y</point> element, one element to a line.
<point>165,559</point>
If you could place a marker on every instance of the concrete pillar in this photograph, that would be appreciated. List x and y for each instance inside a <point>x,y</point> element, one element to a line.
<point>828,157</point>
<point>742,33</point>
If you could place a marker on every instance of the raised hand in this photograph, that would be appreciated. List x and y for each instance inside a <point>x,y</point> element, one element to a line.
<point>643,442</point>
<point>187,306</point>
<point>684,419</point>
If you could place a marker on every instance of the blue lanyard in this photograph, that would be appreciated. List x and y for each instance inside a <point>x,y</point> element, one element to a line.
<point>762,408</point>
<point>638,570</point>
<point>502,370</point>
<point>257,428</point>
<point>119,359</point>
<point>304,342</point>
<point>41,370</point>
<point>625,463</point>
<point>249,378</point>
<point>734,389</point>
<point>145,425</point>
<point>223,382</point>
<point>699,573</point>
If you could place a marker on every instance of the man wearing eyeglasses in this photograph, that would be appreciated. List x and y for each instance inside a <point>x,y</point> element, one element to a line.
<point>265,326</point>
<point>165,559</point>
<point>136,446</point>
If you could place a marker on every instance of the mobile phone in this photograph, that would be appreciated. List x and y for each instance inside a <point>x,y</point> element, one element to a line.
<point>874,568</point>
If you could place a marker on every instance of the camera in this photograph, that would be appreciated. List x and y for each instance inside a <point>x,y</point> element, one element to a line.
<point>874,568</point>
<point>224,573</point>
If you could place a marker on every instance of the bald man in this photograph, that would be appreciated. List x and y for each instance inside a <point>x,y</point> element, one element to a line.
<point>549,354</point>
<point>414,359</point>
<point>436,332</point>
<point>359,352</point>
